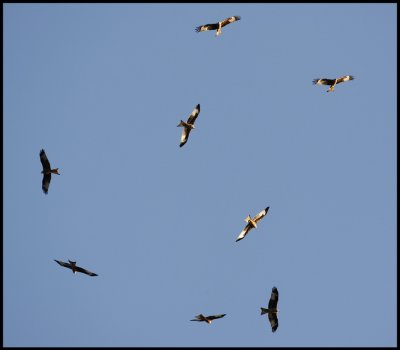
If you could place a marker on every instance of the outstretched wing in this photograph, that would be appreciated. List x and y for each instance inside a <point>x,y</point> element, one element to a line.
<point>194,114</point>
<point>244,232</point>
<point>345,78</point>
<point>261,214</point>
<point>273,300</point>
<point>87,272</point>
<point>273,320</point>
<point>324,81</point>
<point>46,167</point>
<point>205,27</point>
<point>230,20</point>
<point>214,317</point>
<point>184,136</point>
<point>46,182</point>
<point>44,160</point>
<point>199,318</point>
<point>62,263</point>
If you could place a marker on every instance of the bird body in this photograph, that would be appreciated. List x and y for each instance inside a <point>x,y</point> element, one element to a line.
<point>217,26</point>
<point>72,265</point>
<point>332,82</point>
<point>189,125</point>
<point>251,223</point>
<point>208,319</point>
<point>47,171</point>
<point>272,310</point>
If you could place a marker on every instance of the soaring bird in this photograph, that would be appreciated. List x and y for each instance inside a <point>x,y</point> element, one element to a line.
<point>47,171</point>
<point>189,125</point>
<point>332,82</point>
<point>218,26</point>
<point>272,310</point>
<point>72,265</point>
<point>208,319</point>
<point>252,223</point>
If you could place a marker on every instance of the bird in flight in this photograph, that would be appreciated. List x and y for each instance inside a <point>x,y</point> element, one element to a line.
<point>332,82</point>
<point>72,265</point>
<point>252,223</point>
<point>47,171</point>
<point>208,319</point>
<point>272,310</point>
<point>217,26</point>
<point>189,125</point>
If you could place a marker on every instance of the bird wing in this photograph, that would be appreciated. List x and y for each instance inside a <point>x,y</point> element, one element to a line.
<point>194,114</point>
<point>273,300</point>
<point>87,272</point>
<point>214,317</point>
<point>229,20</point>
<point>199,318</point>
<point>184,136</point>
<point>273,320</point>
<point>261,214</point>
<point>205,27</point>
<point>344,78</point>
<point>44,160</point>
<point>62,263</point>
<point>244,232</point>
<point>324,81</point>
<point>46,182</point>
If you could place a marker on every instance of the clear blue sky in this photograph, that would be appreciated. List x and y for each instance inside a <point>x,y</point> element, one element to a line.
<point>102,88</point>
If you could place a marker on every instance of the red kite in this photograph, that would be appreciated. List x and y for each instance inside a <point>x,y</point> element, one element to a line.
<point>332,82</point>
<point>189,125</point>
<point>252,223</point>
<point>217,26</point>
<point>272,310</point>
<point>47,171</point>
<point>72,265</point>
<point>208,319</point>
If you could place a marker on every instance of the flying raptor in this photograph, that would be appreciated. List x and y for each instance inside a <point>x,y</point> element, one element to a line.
<point>217,26</point>
<point>208,319</point>
<point>332,82</point>
<point>272,310</point>
<point>189,125</point>
<point>72,265</point>
<point>47,171</point>
<point>252,223</point>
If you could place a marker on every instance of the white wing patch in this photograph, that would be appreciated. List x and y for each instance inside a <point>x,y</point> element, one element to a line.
<point>184,134</point>
<point>243,233</point>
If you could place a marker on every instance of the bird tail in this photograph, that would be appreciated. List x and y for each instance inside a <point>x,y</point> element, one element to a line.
<point>248,218</point>
<point>182,123</point>
<point>263,311</point>
<point>55,171</point>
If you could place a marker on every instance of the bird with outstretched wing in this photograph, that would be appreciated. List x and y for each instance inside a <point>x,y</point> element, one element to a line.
<point>47,171</point>
<point>272,310</point>
<point>332,82</point>
<point>72,265</point>
<point>189,125</point>
<point>251,223</point>
<point>208,319</point>
<point>217,26</point>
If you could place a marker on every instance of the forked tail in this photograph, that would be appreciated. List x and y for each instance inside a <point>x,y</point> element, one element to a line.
<point>263,311</point>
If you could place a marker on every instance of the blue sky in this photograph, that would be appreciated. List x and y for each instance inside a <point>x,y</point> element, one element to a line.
<point>102,87</point>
